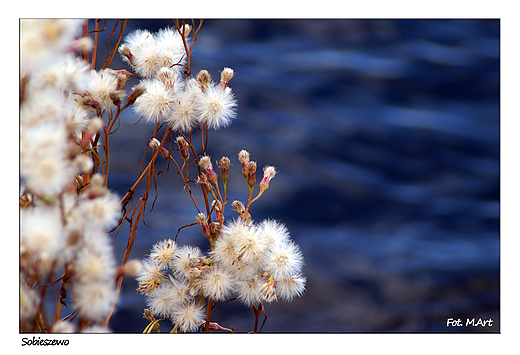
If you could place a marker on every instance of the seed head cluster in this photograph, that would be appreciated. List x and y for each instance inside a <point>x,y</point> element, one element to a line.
<point>254,263</point>
<point>160,59</point>
<point>64,219</point>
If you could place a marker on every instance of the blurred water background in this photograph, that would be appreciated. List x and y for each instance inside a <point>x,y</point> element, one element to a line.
<point>386,137</point>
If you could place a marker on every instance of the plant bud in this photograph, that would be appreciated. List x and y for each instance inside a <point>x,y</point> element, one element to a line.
<point>217,207</point>
<point>181,142</point>
<point>121,81</point>
<point>125,51</point>
<point>203,78</point>
<point>225,77</point>
<point>137,91</point>
<point>155,144</point>
<point>239,207</point>
<point>251,173</point>
<point>202,220</point>
<point>269,173</point>
<point>243,157</point>
<point>224,167</point>
<point>132,267</point>
<point>186,29</point>
<point>203,180</point>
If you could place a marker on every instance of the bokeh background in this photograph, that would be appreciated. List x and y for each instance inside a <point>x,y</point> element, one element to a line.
<point>386,136</point>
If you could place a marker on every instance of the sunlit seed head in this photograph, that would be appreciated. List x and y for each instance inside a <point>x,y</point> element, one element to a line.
<point>249,291</point>
<point>217,107</point>
<point>290,287</point>
<point>94,299</point>
<point>188,318</point>
<point>284,259</point>
<point>217,283</point>
<point>156,103</point>
<point>161,302</point>
<point>164,253</point>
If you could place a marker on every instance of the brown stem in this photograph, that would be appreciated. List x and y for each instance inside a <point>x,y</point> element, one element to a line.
<point>94,50</point>
<point>107,62</point>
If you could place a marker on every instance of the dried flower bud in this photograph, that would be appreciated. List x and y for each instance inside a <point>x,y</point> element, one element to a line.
<point>121,81</point>
<point>269,173</point>
<point>214,230</point>
<point>243,157</point>
<point>186,29</point>
<point>205,163</point>
<point>132,267</point>
<point>202,220</point>
<point>213,326</point>
<point>239,207</point>
<point>224,167</point>
<point>88,102</point>
<point>203,78</point>
<point>154,143</point>
<point>138,90</point>
<point>217,207</point>
<point>115,97</point>
<point>251,173</point>
<point>203,180</point>
<point>181,142</point>
<point>126,52</point>
<point>226,75</point>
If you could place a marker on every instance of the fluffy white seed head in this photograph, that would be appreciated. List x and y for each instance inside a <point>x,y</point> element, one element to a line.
<point>47,176</point>
<point>224,252</point>
<point>169,78</point>
<point>148,53</point>
<point>150,277</point>
<point>103,86</point>
<point>156,103</point>
<point>164,253</point>
<point>185,258</point>
<point>161,302</point>
<point>28,302</point>
<point>250,245</point>
<point>217,283</point>
<point>180,291</point>
<point>42,234</point>
<point>284,259</point>
<point>95,265</point>
<point>290,287</point>
<point>249,291</point>
<point>42,40</point>
<point>274,232</point>
<point>94,299</point>
<point>184,110</point>
<point>100,212</point>
<point>63,326</point>
<point>217,107</point>
<point>188,318</point>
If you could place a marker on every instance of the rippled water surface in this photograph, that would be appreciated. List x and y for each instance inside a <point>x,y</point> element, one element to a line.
<point>386,137</point>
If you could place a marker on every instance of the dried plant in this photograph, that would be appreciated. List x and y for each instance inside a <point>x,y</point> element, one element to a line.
<point>68,111</point>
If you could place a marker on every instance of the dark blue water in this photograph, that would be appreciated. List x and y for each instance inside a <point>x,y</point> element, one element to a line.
<point>386,136</point>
